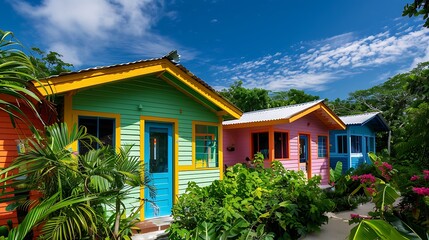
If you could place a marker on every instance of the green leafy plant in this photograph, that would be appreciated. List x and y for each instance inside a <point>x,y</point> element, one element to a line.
<point>335,174</point>
<point>251,203</point>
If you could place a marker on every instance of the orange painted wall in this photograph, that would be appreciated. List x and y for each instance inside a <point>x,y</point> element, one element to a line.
<point>8,150</point>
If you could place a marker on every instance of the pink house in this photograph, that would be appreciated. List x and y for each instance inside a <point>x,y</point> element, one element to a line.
<point>296,135</point>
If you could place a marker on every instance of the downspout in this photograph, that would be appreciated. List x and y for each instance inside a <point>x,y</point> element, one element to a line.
<point>388,142</point>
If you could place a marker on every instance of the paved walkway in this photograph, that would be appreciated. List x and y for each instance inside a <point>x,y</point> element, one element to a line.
<point>338,227</point>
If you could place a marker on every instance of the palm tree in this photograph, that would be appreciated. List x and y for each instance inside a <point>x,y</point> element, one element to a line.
<point>16,72</point>
<point>102,176</point>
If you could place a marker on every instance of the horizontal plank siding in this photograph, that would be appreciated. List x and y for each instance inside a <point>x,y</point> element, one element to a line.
<point>148,97</point>
<point>290,164</point>
<point>201,178</point>
<point>8,148</point>
<point>309,125</point>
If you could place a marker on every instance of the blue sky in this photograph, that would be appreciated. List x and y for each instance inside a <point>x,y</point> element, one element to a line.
<point>326,48</point>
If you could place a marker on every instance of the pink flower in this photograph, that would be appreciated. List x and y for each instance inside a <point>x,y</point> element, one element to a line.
<point>354,178</point>
<point>421,191</point>
<point>371,191</point>
<point>367,178</point>
<point>426,172</point>
<point>414,178</point>
<point>387,166</point>
<point>354,216</point>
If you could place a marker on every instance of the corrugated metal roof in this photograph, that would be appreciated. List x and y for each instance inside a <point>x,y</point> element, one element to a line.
<point>272,113</point>
<point>172,56</point>
<point>373,120</point>
<point>358,119</point>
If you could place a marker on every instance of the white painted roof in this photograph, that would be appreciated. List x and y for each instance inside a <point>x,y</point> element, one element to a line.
<point>358,119</point>
<point>272,113</point>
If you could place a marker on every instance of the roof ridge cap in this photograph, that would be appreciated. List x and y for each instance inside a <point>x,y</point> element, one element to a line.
<point>286,106</point>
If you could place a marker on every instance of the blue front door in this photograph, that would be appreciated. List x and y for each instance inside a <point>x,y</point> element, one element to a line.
<point>158,155</point>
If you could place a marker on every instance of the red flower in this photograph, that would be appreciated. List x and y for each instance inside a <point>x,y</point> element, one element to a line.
<point>354,216</point>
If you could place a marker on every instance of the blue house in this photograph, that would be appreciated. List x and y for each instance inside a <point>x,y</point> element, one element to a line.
<point>351,146</point>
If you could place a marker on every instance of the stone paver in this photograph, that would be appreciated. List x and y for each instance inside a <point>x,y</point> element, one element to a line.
<point>338,225</point>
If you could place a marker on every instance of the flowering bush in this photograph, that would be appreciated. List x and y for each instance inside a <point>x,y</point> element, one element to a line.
<point>414,206</point>
<point>386,222</point>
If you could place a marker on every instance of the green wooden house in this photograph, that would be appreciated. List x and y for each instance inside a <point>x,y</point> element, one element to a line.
<point>172,118</point>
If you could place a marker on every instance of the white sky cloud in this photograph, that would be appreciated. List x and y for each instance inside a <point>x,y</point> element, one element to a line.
<point>79,29</point>
<point>328,60</point>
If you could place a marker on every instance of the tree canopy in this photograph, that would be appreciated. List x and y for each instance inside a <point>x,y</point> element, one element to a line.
<point>257,98</point>
<point>418,7</point>
<point>48,64</point>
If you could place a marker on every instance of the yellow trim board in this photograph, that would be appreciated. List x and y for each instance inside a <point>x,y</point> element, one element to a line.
<point>94,77</point>
<point>220,146</point>
<point>194,133</point>
<point>175,123</point>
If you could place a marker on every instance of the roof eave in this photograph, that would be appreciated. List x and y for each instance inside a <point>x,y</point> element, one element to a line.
<point>98,76</point>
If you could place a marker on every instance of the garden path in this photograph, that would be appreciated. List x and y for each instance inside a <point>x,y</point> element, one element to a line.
<point>338,227</point>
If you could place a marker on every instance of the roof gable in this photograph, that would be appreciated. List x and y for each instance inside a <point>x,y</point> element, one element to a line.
<point>373,120</point>
<point>287,114</point>
<point>164,68</point>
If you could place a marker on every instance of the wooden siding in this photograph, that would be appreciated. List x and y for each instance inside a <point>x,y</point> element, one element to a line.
<point>157,99</point>
<point>310,124</point>
<point>201,177</point>
<point>349,159</point>
<point>8,150</point>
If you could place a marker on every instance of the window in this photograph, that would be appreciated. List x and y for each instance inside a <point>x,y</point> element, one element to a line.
<point>102,128</point>
<point>370,144</point>
<point>260,143</point>
<point>281,148</point>
<point>356,144</point>
<point>206,148</point>
<point>322,146</point>
<point>342,144</point>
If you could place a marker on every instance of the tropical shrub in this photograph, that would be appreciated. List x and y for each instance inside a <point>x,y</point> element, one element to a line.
<point>82,195</point>
<point>251,203</point>
<point>383,222</point>
<point>340,191</point>
<point>414,205</point>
